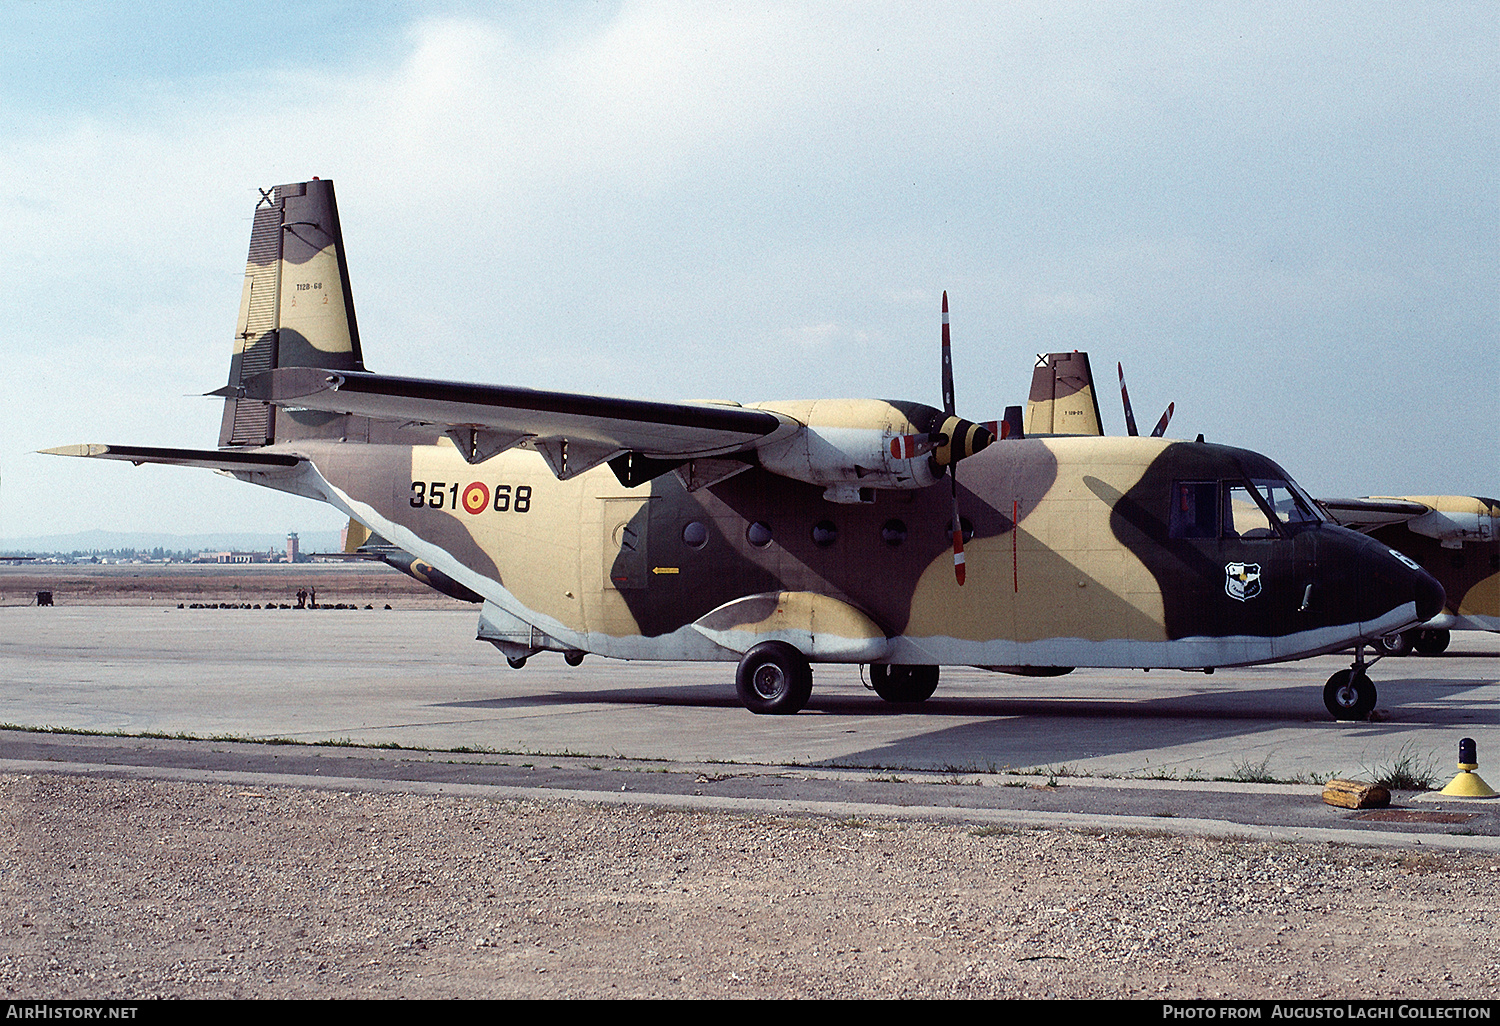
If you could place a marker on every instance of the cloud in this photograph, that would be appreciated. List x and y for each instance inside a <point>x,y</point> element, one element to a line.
<point>648,199</point>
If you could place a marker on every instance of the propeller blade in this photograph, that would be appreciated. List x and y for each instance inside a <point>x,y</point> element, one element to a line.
<point>958,534</point>
<point>1125,398</point>
<point>956,427</point>
<point>947,362</point>
<point>1161,425</point>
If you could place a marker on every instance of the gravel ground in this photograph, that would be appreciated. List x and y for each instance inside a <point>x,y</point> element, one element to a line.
<point>132,889</point>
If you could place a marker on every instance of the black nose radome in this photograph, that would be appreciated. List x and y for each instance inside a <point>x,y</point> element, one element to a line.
<point>1430,595</point>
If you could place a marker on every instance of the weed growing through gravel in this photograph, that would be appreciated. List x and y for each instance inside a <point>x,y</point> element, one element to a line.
<point>991,831</point>
<point>856,823</point>
<point>1247,772</point>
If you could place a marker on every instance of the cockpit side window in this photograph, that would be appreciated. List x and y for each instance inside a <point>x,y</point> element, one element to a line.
<point>1243,516</point>
<point>1195,509</point>
<point>1248,510</point>
<point>1290,503</point>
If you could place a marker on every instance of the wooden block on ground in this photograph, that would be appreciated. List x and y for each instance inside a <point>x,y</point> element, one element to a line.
<point>1355,794</point>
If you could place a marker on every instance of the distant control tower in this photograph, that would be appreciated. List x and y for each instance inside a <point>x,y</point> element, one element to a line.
<point>293,555</point>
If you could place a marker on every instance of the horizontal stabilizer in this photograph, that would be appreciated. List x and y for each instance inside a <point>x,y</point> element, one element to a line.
<point>213,459</point>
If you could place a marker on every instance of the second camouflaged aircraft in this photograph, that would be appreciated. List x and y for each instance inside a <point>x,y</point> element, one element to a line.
<point>782,534</point>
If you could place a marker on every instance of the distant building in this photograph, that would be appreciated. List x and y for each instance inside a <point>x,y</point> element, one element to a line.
<point>293,555</point>
<point>236,557</point>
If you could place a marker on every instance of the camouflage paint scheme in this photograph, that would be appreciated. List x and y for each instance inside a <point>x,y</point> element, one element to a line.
<point>1062,399</point>
<point>1456,538</point>
<point>788,521</point>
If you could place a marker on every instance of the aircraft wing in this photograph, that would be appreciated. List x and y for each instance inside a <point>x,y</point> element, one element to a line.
<point>212,459</point>
<point>1368,514</point>
<point>572,432</point>
<point>1451,519</point>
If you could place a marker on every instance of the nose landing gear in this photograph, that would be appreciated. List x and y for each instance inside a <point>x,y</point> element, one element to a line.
<point>1350,694</point>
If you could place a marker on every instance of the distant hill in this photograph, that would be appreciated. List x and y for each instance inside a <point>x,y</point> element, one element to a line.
<point>105,541</point>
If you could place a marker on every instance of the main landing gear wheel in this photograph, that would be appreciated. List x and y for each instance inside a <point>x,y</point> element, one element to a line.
<point>1349,695</point>
<point>1431,642</point>
<point>1397,644</point>
<point>774,677</point>
<point>903,683</point>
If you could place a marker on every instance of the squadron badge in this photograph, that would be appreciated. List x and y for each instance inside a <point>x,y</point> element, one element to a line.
<point>1242,580</point>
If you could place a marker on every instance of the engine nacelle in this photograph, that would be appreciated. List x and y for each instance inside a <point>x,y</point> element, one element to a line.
<point>1457,519</point>
<point>853,446</point>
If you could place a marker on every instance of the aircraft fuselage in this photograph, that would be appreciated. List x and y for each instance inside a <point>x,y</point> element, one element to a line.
<point>1074,557</point>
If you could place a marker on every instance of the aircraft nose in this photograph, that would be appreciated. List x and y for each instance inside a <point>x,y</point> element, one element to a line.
<point>1392,579</point>
<point>1430,596</point>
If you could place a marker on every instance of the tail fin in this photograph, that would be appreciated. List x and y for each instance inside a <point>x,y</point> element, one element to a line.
<point>296,309</point>
<point>1062,398</point>
<point>355,536</point>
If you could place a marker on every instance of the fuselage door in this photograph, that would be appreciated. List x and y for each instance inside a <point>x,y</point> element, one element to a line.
<point>1258,578</point>
<point>1240,581</point>
<point>627,525</point>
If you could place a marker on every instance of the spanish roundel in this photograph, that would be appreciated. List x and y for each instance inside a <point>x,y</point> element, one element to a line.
<point>476,498</point>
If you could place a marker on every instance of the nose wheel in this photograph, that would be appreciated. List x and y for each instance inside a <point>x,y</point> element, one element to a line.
<point>1349,694</point>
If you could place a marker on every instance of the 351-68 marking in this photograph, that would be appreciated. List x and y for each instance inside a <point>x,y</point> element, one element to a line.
<point>473,498</point>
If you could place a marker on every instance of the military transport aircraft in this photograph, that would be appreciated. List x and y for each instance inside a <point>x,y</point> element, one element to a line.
<point>1456,538</point>
<point>782,534</point>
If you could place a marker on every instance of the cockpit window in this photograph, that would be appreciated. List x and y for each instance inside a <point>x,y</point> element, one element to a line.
<point>1290,503</point>
<point>1255,510</point>
<point>1243,516</point>
<point>1195,509</point>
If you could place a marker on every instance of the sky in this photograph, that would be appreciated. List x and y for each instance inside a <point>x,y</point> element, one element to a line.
<point>1284,218</point>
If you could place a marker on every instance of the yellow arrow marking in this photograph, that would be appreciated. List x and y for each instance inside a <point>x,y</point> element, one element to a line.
<point>664,570</point>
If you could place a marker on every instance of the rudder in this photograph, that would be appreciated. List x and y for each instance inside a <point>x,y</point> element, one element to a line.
<point>1062,400</point>
<point>296,309</point>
